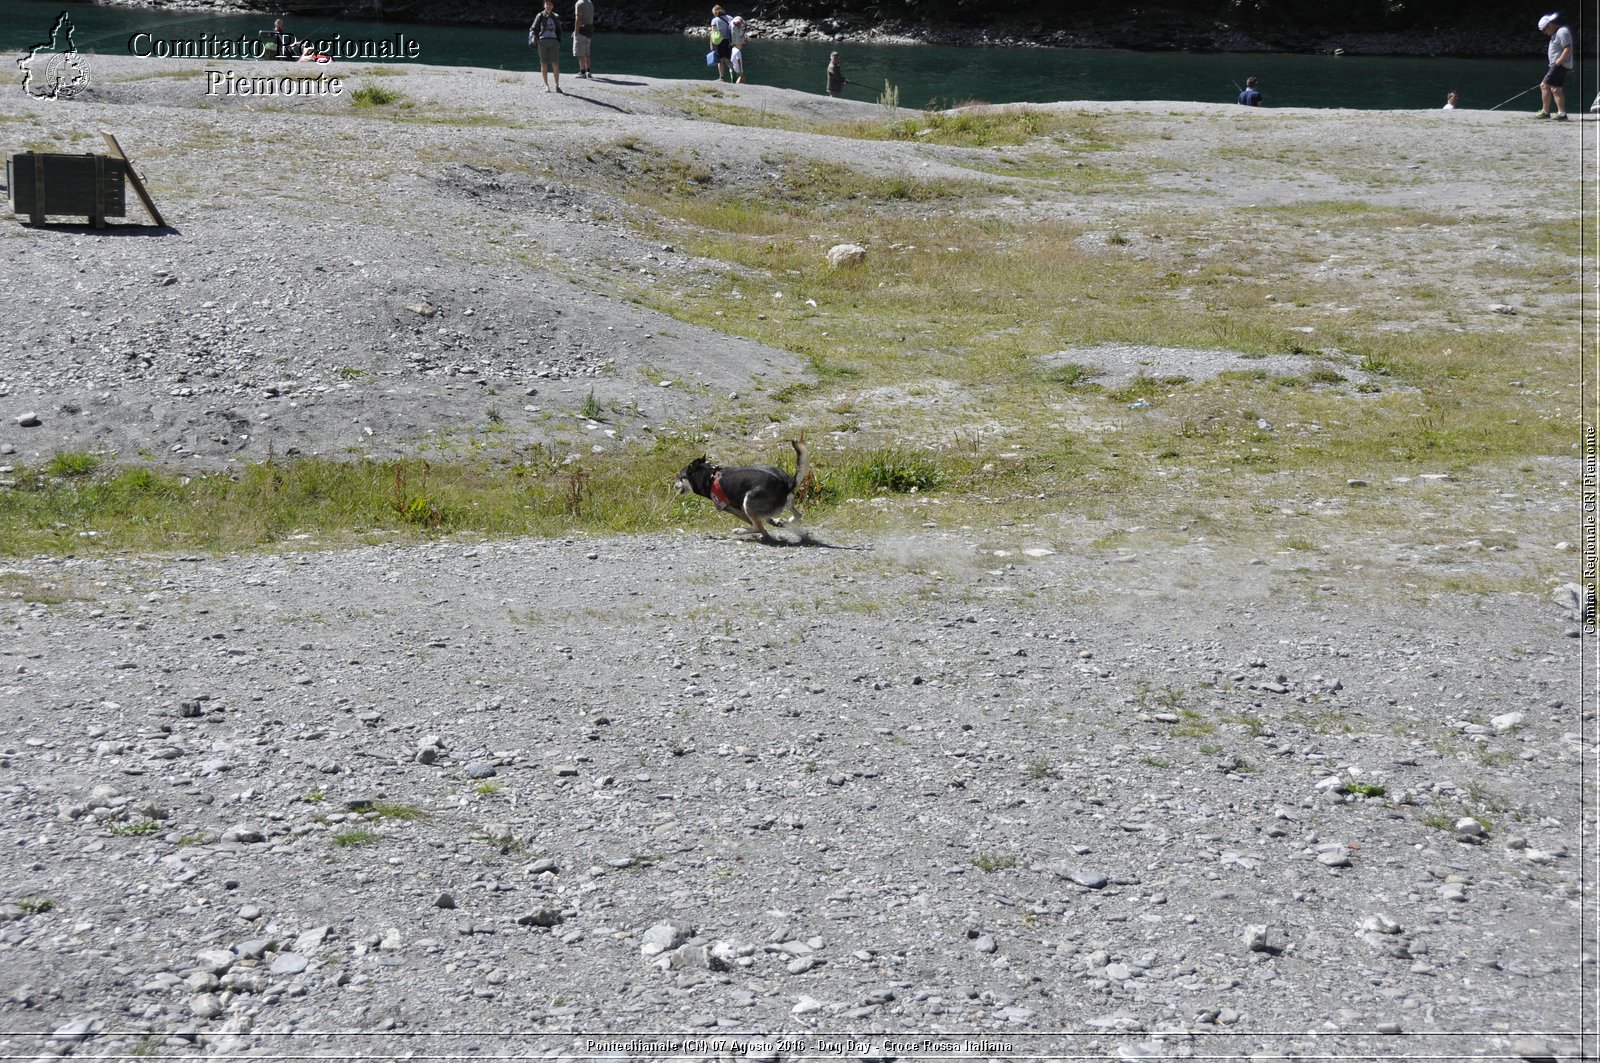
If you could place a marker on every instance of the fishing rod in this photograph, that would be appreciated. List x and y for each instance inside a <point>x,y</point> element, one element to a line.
<point>1524,92</point>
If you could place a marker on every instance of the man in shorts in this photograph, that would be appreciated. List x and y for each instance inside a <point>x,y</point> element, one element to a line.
<point>1560,62</point>
<point>582,32</point>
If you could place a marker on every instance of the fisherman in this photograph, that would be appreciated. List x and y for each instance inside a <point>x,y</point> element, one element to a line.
<point>1560,52</point>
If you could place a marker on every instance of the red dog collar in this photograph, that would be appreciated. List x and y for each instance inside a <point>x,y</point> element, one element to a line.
<point>718,495</point>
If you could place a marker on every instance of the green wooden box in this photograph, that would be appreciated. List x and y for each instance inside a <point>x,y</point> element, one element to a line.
<point>90,186</point>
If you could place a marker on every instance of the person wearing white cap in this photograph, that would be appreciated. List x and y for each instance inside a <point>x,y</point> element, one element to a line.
<point>736,57</point>
<point>1560,62</point>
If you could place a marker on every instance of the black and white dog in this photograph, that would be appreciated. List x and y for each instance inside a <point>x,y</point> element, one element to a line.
<point>753,493</point>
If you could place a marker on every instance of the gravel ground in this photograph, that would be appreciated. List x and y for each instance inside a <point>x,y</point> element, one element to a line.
<point>1008,787</point>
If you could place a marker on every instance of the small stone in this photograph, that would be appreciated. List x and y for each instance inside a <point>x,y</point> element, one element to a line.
<point>289,963</point>
<point>1118,972</point>
<point>77,1030</point>
<point>479,769</point>
<point>500,833</point>
<point>806,1006</point>
<point>205,1006</point>
<point>444,900</point>
<point>1379,924</point>
<point>545,917</point>
<point>310,941</point>
<point>661,937</point>
<point>801,964</point>
<point>1468,828</point>
<point>1533,1050</point>
<point>1334,858</point>
<point>1093,880</point>
<point>1255,937</point>
<point>1508,721</point>
<point>28,420</point>
<point>216,961</point>
<point>1390,1027</point>
<point>985,944</point>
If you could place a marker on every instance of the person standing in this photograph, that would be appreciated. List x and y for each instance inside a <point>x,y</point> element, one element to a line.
<point>1251,96</point>
<point>721,40</point>
<point>582,35</point>
<point>545,35</point>
<point>736,57</point>
<point>1451,101</point>
<point>1560,52</point>
<point>836,78</point>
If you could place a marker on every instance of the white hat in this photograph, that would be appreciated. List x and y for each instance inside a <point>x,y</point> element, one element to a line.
<point>1545,22</point>
<point>738,21</point>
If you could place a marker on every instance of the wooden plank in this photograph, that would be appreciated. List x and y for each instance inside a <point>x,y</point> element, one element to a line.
<point>138,185</point>
<point>99,215</point>
<point>37,217</point>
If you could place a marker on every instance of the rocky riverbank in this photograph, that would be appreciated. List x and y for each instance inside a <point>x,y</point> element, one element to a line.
<point>1173,30</point>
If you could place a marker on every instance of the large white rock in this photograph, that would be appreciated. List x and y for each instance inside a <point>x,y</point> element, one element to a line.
<point>841,255</point>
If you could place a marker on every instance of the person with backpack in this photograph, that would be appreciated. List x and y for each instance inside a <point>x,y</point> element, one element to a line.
<point>545,35</point>
<point>721,39</point>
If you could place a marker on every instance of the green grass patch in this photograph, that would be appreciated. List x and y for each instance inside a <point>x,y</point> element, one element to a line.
<point>359,836</point>
<point>991,862</point>
<point>72,464</point>
<point>134,828</point>
<point>371,94</point>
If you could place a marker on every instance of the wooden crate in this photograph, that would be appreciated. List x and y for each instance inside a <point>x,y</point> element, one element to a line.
<point>90,186</point>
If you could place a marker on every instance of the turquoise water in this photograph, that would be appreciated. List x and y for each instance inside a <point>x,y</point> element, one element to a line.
<point>924,74</point>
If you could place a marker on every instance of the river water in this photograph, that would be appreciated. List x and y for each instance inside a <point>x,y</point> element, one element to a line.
<point>923,75</point>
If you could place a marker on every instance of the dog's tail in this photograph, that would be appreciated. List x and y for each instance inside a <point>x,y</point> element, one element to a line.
<point>802,462</point>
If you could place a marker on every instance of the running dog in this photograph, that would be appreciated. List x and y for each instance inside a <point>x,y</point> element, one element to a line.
<point>753,493</point>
